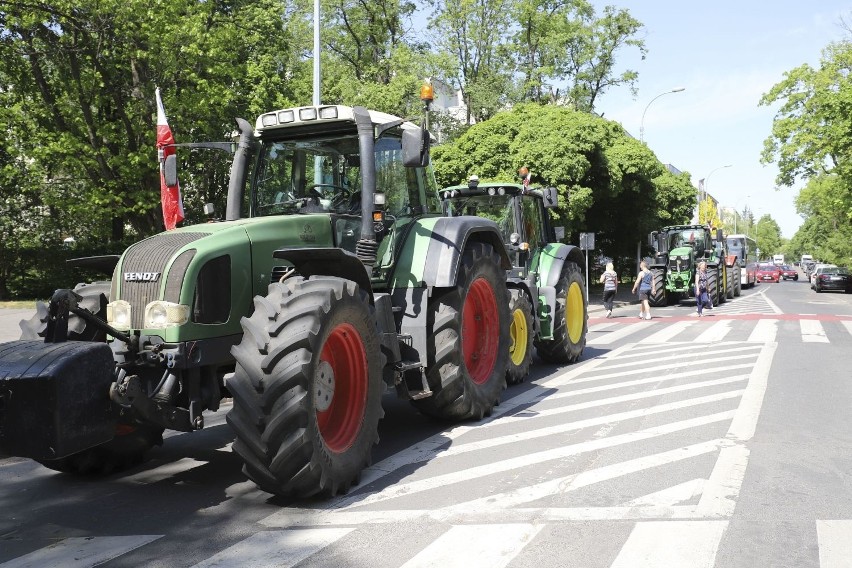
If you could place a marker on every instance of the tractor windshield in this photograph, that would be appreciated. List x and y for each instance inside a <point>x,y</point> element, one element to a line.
<point>691,237</point>
<point>498,208</point>
<point>324,175</point>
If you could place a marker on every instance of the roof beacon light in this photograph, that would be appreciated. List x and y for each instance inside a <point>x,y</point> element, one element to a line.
<point>427,91</point>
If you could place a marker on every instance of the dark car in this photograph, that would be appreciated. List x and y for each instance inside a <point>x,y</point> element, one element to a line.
<point>767,272</point>
<point>789,272</point>
<point>834,278</point>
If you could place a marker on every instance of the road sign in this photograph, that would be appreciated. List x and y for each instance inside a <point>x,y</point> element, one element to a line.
<point>587,241</point>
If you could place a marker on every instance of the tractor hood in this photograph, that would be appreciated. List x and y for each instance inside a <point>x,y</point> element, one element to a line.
<point>215,268</point>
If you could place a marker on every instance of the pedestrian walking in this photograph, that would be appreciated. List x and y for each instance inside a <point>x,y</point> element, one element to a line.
<point>702,297</point>
<point>646,285</point>
<point>610,282</point>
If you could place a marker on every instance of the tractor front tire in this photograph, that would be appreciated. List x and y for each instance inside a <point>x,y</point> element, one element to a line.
<point>520,336</point>
<point>127,449</point>
<point>307,387</point>
<point>468,330</point>
<point>570,321</point>
<point>95,298</point>
<point>659,298</point>
<point>730,289</point>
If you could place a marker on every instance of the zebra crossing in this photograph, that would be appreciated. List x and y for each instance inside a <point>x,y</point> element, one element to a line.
<point>644,441</point>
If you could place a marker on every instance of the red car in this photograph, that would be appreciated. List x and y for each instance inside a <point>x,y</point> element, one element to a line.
<point>767,272</point>
<point>789,272</point>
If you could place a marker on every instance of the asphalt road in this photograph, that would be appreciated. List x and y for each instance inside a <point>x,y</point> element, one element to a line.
<point>677,442</point>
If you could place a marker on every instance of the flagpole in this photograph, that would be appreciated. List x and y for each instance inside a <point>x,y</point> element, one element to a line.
<point>316,52</point>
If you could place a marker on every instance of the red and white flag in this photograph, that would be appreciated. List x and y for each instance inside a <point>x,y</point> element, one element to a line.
<point>169,195</point>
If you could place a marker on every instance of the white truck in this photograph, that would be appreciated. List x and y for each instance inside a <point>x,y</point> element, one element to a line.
<point>778,259</point>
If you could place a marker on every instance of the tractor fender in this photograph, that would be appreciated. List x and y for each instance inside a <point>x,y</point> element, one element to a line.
<point>327,261</point>
<point>548,264</point>
<point>432,257</point>
<point>104,264</point>
<point>550,260</point>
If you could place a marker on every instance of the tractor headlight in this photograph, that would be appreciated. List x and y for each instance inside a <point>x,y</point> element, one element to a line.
<point>165,314</point>
<point>118,315</point>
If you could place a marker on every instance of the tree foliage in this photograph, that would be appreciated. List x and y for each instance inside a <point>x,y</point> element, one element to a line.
<point>811,140</point>
<point>609,183</point>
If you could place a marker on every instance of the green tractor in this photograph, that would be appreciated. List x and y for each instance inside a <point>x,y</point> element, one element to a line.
<point>547,292</point>
<point>677,252</point>
<point>334,277</point>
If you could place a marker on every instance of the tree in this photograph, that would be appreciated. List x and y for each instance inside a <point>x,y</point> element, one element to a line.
<point>609,183</point>
<point>767,235</point>
<point>708,213</point>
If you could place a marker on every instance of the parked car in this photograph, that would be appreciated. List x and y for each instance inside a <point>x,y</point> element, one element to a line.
<point>817,268</point>
<point>833,278</point>
<point>767,272</point>
<point>789,272</point>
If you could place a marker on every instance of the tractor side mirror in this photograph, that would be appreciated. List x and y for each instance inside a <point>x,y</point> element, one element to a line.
<point>559,233</point>
<point>652,240</point>
<point>720,236</point>
<point>551,197</point>
<point>415,147</point>
<point>170,170</point>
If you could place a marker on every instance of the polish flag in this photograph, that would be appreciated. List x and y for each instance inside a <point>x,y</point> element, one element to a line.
<point>169,195</point>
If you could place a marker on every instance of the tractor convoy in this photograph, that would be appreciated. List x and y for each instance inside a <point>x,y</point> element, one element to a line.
<point>339,271</point>
<point>678,250</point>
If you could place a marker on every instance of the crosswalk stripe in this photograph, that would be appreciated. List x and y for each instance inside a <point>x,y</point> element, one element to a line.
<point>715,333</point>
<point>275,549</point>
<point>812,331</point>
<point>650,380</point>
<point>80,552</point>
<point>612,336</point>
<point>669,332</point>
<point>475,545</point>
<point>663,544</point>
<point>835,543</point>
<point>764,332</point>
<point>848,325</point>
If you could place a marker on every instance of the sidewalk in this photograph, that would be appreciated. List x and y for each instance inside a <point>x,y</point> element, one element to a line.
<point>623,297</point>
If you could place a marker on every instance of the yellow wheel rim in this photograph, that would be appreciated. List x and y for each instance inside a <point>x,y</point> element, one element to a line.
<point>574,312</point>
<point>518,335</point>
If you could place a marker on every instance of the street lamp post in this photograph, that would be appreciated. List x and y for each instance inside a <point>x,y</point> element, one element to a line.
<point>702,188</point>
<point>642,123</point>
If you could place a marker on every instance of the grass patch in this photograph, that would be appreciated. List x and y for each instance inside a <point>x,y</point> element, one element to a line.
<point>18,304</point>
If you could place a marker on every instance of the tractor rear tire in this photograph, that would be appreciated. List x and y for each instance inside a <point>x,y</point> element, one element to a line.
<point>468,331</point>
<point>95,298</point>
<point>520,336</point>
<point>659,298</point>
<point>570,320</point>
<point>127,449</point>
<point>713,285</point>
<point>730,287</point>
<point>307,387</point>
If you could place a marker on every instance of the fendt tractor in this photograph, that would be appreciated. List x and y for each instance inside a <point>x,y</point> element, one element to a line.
<point>547,292</point>
<point>333,276</point>
<point>677,252</point>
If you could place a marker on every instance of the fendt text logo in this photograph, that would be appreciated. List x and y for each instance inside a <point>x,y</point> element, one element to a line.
<point>141,276</point>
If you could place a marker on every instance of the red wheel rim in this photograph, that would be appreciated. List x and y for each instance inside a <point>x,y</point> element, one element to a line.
<point>480,331</point>
<point>340,423</point>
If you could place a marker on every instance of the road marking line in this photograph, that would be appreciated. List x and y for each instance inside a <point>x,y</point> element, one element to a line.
<point>723,487</point>
<point>660,368</point>
<point>275,548</point>
<point>678,355</point>
<point>847,325</point>
<point>574,482</point>
<point>835,543</point>
<point>438,481</point>
<point>662,544</point>
<point>647,380</point>
<point>764,332</point>
<point>476,545</point>
<point>812,331</point>
<point>164,471</point>
<point>81,552</point>
<point>743,426</point>
<point>670,496</point>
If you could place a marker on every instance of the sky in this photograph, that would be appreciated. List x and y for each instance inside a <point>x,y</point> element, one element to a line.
<point>726,55</point>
